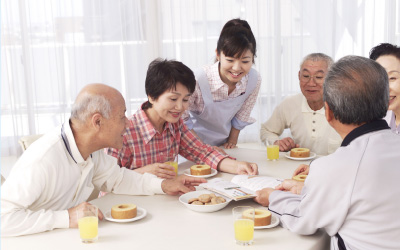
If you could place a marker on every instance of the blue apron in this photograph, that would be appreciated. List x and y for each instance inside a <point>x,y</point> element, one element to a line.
<point>213,125</point>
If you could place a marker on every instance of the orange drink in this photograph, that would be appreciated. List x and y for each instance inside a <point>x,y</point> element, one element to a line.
<point>244,230</point>
<point>88,223</point>
<point>243,224</point>
<point>273,152</point>
<point>88,227</point>
<point>174,164</point>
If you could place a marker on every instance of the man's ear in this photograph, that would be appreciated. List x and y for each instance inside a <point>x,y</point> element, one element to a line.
<point>216,54</point>
<point>96,121</point>
<point>328,113</point>
<point>298,75</point>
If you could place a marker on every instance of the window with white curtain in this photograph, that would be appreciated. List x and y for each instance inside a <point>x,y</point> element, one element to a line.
<point>51,48</point>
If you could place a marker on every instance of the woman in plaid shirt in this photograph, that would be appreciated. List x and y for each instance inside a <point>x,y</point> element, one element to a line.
<point>226,91</point>
<point>156,132</point>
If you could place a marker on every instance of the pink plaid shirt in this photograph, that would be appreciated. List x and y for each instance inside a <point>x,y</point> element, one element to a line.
<point>219,91</point>
<point>144,145</point>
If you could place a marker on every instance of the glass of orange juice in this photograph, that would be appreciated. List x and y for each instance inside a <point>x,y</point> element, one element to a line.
<point>174,164</point>
<point>243,222</point>
<point>88,223</point>
<point>272,149</point>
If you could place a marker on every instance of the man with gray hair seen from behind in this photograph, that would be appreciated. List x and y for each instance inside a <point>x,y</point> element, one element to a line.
<point>352,193</point>
<point>56,175</point>
<point>304,113</point>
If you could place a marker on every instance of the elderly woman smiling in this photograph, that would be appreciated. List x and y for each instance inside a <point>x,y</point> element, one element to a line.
<point>388,56</point>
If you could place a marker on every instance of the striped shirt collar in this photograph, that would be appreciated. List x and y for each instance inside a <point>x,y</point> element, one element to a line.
<point>147,129</point>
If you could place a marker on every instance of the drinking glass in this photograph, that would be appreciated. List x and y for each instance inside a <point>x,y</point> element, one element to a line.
<point>272,150</point>
<point>174,164</point>
<point>88,223</point>
<point>243,222</point>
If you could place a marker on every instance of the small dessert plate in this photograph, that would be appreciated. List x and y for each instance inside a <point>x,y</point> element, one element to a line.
<point>312,156</point>
<point>213,172</point>
<point>141,213</point>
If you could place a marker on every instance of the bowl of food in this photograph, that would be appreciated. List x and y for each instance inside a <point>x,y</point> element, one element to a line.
<point>204,201</point>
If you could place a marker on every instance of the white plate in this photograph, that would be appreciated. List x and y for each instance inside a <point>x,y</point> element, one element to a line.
<point>141,213</point>
<point>274,223</point>
<point>202,208</point>
<point>213,172</point>
<point>312,156</point>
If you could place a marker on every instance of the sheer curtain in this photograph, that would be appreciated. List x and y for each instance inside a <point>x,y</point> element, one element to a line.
<point>51,48</point>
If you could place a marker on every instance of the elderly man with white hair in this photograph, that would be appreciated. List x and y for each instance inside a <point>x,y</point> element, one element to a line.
<point>304,113</point>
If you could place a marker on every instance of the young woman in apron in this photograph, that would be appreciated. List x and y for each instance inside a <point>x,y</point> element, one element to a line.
<point>226,91</point>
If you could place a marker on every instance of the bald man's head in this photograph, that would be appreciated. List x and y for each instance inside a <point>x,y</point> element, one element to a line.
<point>95,98</point>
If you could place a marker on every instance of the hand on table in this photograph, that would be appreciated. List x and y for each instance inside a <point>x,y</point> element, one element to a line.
<point>160,170</point>
<point>286,144</point>
<point>247,168</point>
<point>181,184</point>
<point>263,196</point>
<point>73,216</point>
<point>302,169</point>
<point>292,186</point>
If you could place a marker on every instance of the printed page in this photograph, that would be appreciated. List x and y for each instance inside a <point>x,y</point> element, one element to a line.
<point>228,189</point>
<point>256,182</point>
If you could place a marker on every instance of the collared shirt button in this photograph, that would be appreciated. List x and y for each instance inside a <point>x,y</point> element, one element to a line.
<point>313,130</point>
<point>314,113</point>
<point>313,121</point>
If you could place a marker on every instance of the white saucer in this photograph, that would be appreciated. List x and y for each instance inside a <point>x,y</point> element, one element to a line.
<point>141,213</point>
<point>312,156</point>
<point>213,172</point>
<point>274,223</point>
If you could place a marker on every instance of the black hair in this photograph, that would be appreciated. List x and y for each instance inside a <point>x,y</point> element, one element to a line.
<point>163,75</point>
<point>384,49</point>
<point>236,38</point>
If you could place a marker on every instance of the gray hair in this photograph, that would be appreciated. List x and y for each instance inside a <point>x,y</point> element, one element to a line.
<point>89,104</point>
<point>318,57</point>
<point>357,90</point>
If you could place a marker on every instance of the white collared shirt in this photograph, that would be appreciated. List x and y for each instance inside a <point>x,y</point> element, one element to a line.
<point>309,128</point>
<point>49,179</point>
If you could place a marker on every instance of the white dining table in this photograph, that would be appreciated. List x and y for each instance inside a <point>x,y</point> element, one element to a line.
<point>170,225</point>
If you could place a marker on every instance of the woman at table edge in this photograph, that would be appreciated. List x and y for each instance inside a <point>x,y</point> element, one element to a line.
<point>156,132</point>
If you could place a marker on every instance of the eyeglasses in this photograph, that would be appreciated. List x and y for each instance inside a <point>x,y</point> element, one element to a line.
<point>305,77</point>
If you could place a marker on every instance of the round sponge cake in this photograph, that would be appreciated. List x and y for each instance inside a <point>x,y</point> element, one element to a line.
<point>300,152</point>
<point>124,211</point>
<point>200,170</point>
<point>261,217</point>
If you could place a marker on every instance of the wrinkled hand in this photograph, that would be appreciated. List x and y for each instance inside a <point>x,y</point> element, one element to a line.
<point>247,168</point>
<point>220,150</point>
<point>160,170</point>
<point>73,216</point>
<point>181,184</point>
<point>229,145</point>
<point>302,169</point>
<point>286,144</point>
<point>263,196</point>
<point>292,186</point>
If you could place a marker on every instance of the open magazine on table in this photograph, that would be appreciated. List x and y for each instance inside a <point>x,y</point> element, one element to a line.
<point>241,186</point>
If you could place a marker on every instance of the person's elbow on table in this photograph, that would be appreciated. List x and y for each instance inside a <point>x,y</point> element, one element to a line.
<point>181,184</point>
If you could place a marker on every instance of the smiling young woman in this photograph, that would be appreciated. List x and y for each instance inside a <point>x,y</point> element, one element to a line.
<point>226,91</point>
